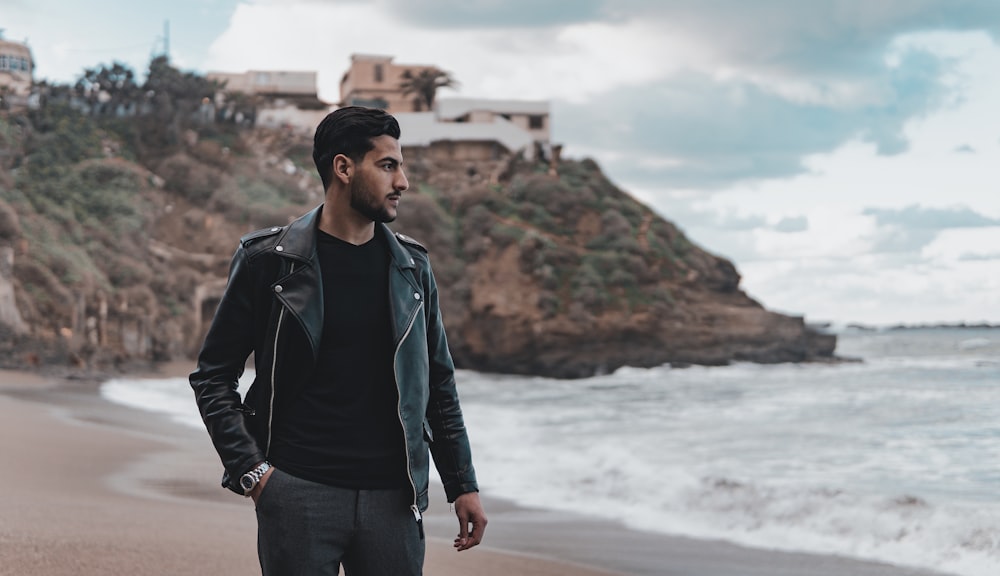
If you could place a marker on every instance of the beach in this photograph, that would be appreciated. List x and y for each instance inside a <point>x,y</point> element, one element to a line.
<point>93,487</point>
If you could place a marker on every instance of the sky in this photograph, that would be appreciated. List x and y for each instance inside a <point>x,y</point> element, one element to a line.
<point>844,154</point>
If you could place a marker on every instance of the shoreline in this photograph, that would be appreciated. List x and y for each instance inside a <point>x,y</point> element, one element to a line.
<point>103,488</point>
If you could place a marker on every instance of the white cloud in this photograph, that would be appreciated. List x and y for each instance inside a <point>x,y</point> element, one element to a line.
<point>921,262</point>
<point>965,243</point>
<point>570,63</point>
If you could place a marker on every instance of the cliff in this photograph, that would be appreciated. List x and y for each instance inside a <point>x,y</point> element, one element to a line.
<point>569,276</point>
<point>116,253</point>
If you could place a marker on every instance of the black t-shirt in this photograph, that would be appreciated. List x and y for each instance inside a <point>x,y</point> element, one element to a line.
<point>343,429</point>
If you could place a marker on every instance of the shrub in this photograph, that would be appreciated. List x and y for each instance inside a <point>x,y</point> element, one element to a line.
<point>191,180</point>
<point>123,271</point>
<point>50,299</point>
<point>10,226</point>
<point>588,288</point>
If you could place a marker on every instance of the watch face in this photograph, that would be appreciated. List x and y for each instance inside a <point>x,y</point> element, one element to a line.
<point>247,483</point>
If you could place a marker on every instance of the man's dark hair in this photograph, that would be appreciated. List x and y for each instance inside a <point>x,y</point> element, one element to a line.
<point>349,131</point>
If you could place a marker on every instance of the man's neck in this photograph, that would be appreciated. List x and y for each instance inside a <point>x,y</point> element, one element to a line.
<point>346,224</point>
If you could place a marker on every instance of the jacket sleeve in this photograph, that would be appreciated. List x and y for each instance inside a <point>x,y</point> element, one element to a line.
<point>450,446</point>
<point>223,356</point>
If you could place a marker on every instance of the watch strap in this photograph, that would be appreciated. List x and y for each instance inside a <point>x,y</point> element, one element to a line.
<point>254,476</point>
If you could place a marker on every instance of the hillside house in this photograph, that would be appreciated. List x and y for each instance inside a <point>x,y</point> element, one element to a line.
<point>373,81</point>
<point>423,134</point>
<point>531,116</point>
<point>281,98</point>
<point>458,129</point>
<point>476,130</point>
<point>16,72</point>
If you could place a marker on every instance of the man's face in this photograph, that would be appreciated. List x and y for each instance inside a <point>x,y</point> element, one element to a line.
<point>379,181</point>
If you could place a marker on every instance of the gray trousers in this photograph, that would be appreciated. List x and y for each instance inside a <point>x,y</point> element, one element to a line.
<point>305,528</point>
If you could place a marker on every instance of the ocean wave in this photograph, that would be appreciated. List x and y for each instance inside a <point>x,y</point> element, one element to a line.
<point>890,459</point>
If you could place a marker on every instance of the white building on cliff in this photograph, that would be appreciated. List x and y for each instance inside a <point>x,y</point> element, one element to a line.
<point>16,72</point>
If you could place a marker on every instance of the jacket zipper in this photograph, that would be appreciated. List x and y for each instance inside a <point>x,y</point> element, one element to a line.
<point>274,364</point>
<point>399,412</point>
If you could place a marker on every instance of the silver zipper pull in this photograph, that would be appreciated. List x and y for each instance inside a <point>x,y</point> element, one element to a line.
<point>419,518</point>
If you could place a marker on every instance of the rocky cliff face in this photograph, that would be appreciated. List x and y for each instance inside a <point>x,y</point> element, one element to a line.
<point>569,276</point>
<point>115,260</point>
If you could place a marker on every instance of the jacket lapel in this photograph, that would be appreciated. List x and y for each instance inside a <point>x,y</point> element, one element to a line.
<point>300,286</point>
<point>405,294</point>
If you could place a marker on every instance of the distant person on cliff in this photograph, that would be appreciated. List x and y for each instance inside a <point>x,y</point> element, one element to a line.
<point>354,380</point>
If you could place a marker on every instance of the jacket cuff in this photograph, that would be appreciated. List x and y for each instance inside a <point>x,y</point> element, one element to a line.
<point>456,490</point>
<point>232,481</point>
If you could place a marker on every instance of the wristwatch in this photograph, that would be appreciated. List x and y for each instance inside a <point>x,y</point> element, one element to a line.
<point>249,480</point>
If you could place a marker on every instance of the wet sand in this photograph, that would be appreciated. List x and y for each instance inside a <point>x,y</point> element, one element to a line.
<point>91,487</point>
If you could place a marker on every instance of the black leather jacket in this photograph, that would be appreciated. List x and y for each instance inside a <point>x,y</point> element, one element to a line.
<point>273,308</point>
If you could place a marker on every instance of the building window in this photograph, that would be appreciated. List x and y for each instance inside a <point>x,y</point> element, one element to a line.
<point>536,122</point>
<point>3,62</point>
<point>378,72</point>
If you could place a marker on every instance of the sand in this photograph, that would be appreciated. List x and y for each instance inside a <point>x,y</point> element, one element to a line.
<point>91,487</point>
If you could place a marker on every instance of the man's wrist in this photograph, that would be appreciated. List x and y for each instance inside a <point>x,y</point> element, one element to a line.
<point>250,480</point>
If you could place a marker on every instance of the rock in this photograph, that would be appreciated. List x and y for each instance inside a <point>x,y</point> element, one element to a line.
<point>538,277</point>
<point>9,314</point>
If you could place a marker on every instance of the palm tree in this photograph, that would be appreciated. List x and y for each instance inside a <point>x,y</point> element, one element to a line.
<point>425,84</point>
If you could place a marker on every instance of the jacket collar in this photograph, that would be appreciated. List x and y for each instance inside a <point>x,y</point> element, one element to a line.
<point>298,240</point>
<point>400,256</point>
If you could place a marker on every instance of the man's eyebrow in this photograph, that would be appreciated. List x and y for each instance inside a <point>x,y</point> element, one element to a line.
<point>390,159</point>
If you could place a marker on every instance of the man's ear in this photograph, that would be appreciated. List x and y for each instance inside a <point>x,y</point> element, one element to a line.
<point>343,168</point>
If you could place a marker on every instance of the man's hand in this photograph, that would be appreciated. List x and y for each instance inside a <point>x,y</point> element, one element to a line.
<point>255,493</point>
<point>469,511</point>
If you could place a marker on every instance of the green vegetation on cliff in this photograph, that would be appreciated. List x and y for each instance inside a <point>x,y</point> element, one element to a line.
<point>121,213</point>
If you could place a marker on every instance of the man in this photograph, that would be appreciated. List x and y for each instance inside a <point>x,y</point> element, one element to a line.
<point>354,380</point>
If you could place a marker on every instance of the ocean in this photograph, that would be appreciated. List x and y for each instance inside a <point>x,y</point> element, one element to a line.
<point>893,458</point>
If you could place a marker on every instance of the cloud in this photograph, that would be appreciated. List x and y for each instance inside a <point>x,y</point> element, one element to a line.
<point>684,93</point>
<point>977,257</point>
<point>725,131</point>
<point>802,31</point>
<point>837,40</point>
<point>913,228</point>
<point>876,288</point>
<point>965,149</point>
<point>742,91</point>
<point>916,217</point>
<point>897,240</point>
<point>792,224</point>
<point>497,13</point>
<point>835,37</point>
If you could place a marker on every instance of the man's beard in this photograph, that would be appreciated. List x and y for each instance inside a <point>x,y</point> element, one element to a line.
<point>365,202</point>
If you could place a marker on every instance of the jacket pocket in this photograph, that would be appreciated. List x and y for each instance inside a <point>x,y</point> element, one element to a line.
<point>265,492</point>
<point>246,410</point>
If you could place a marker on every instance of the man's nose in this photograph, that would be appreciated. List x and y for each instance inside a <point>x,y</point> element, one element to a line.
<point>401,182</point>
